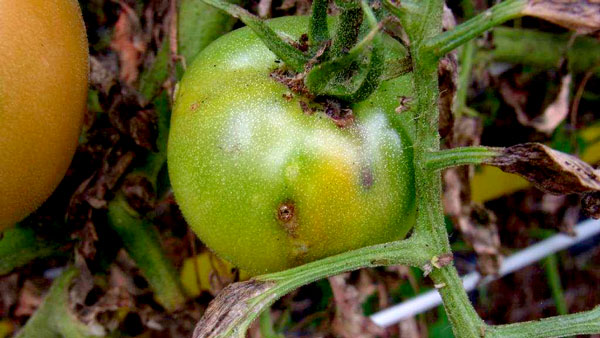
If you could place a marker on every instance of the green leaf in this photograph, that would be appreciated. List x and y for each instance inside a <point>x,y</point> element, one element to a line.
<point>199,24</point>
<point>152,78</point>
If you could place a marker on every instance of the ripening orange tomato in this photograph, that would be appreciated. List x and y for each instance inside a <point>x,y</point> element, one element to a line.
<point>43,90</point>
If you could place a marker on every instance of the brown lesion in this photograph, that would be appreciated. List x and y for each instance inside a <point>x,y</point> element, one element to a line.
<point>287,217</point>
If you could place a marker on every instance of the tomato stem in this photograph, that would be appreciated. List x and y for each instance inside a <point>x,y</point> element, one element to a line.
<point>454,157</point>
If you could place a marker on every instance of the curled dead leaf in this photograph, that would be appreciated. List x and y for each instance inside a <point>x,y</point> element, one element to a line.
<point>231,307</point>
<point>582,16</point>
<point>549,170</point>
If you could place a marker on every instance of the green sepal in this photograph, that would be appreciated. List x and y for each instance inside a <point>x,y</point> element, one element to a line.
<point>318,31</point>
<point>333,79</point>
<point>396,68</point>
<point>347,29</point>
<point>290,55</point>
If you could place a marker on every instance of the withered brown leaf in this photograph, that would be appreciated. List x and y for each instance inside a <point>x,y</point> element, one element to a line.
<point>549,170</point>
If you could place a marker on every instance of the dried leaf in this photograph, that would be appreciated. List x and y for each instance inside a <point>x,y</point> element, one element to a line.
<point>447,82</point>
<point>30,299</point>
<point>116,163</point>
<point>9,295</point>
<point>231,307</point>
<point>582,16</point>
<point>549,170</point>
<point>264,8</point>
<point>349,321</point>
<point>87,238</point>
<point>557,111</point>
<point>129,43</point>
<point>139,193</point>
<point>591,204</point>
<point>103,72</point>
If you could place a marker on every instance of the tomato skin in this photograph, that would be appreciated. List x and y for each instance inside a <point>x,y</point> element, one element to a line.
<point>43,86</point>
<point>268,186</point>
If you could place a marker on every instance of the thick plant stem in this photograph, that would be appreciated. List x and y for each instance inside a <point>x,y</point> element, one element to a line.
<point>430,218</point>
<point>54,319</point>
<point>560,326</point>
<point>443,159</point>
<point>465,321</point>
<point>504,11</point>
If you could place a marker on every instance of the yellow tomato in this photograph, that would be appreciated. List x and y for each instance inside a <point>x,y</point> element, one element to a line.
<point>43,86</point>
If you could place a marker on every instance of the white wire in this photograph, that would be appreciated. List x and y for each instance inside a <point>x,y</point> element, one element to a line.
<point>532,254</point>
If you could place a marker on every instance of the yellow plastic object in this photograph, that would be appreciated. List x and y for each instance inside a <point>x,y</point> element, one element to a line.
<point>198,279</point>
<point>490,182</point>
<point>6,328</point>
<point>43,89</point>
<point>592,136</point>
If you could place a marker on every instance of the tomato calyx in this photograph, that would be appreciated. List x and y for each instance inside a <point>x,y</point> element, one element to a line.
<point>347,65</point>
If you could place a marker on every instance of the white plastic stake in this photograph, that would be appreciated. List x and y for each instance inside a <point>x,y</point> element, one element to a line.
<point>527,256</point>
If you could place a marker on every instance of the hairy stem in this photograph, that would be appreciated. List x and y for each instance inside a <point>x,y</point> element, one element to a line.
<point>560,326</point>
<point>454,157</point>
<point>465,321</point>
<point>504,11</point>
<point>430,217</point>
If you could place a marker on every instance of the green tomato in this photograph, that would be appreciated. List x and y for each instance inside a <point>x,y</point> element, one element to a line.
<point>268,186</point>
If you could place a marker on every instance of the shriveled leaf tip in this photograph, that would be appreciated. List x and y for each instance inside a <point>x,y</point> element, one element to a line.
<point>549,170</point>
<point>232,307</point>
<point>582,16</point>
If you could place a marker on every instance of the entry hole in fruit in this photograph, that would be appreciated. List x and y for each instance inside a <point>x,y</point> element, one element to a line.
<point>285,212</point>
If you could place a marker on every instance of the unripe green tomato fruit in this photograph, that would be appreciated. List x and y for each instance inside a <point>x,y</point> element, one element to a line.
<point>266,185</point>
<point>43,92</point>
